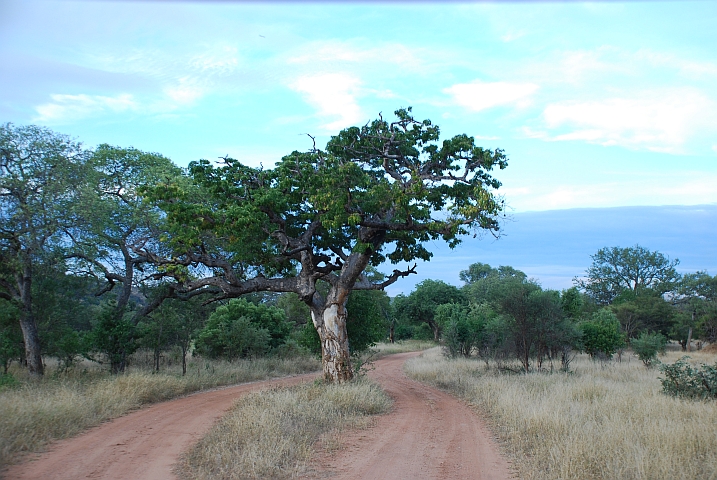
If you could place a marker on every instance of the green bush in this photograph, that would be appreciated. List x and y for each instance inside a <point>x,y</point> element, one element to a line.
<point>685,380</point>
<point>601,335</point>
<point>647,346</point>
<point>462,329</point>
<point>228,338</point>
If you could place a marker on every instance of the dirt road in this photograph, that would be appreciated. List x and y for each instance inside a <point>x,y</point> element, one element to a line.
<point>428,435</point>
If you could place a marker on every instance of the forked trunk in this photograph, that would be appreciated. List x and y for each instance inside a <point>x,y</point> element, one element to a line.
<point>336,357</point>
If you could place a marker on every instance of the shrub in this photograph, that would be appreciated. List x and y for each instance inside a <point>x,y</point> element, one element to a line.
<point>232,338</point>
<point>647,346</point>
<point>601,335</point>
<point>685,380</point>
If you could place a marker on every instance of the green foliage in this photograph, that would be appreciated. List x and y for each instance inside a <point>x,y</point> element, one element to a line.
<point>635,269</point>
<point>420,306</point>
<point>485,283</point>
<point>647,346</point>
<point>463,329</point>
<point>366,325</point>
<point>232,338</point>
<point>243,329</point>
<point>11,346</point>
<point>682,379</point>
<point>7,380</point>
<point>114,336</point>
<point>572,303</point>
<point>647,312</point>
<point>601,334</point>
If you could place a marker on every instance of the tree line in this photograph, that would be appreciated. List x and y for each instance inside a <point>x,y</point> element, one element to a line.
<point>629,297</point>
<point>109,249</point>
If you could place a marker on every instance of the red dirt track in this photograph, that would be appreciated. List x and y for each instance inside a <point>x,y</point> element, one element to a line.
<point>427,435</point>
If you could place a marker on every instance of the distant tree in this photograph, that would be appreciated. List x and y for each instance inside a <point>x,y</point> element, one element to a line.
<point>648,312</point>
<point>41,173</point>
<point>601,334</point>
<point>116,226</point>
<point>647,346</point>
<point>243,329</point>
<point>635,269</point>
<point>484,283</point>
<point>419,307</point>
<point>463,328</point>
<point>115,338</point>
<point>697,300</point>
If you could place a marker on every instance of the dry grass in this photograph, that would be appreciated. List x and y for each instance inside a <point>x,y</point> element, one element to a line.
<point>271,434</point>
<point>403,346</point>
<point>604,421</point>
<point>59,406</point>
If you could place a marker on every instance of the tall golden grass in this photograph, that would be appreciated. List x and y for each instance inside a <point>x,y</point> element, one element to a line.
<point>272,433</point>
<point>62,405</point>
<point>603,421</point>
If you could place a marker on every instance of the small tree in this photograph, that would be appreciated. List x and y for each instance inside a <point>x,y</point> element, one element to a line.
<point>463,329</point>
<point>242,329</point>
<point>601,335</point>
<point>114,337</point>
<point>647,346</point>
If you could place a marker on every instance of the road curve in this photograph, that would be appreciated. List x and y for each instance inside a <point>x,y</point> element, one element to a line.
<point>427,435</point>
<point>144,444</point>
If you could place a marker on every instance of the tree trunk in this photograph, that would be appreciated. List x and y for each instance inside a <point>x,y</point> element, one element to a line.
<point>689,340</point>
<point>184,360</point>
<point>33,352</point>
<point>330,323</point>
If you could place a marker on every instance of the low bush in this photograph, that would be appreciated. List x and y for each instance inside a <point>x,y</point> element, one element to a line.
<point>647,346</point>
<point>682,379</point>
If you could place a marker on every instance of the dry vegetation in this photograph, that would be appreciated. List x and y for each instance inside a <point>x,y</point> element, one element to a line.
<point>402,346</point>
<point>61,405</point>
<point>603,421</point>
<point>272,433</point>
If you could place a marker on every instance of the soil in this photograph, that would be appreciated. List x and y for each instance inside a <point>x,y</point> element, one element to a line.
<point>427,435</point>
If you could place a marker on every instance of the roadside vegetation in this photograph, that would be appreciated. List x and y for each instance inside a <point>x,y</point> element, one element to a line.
<point>604,420</point>
<point>273,433</point>
<point>34,412</point>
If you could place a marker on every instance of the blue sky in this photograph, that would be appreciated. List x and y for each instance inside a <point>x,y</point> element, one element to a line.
<point>596,104</point>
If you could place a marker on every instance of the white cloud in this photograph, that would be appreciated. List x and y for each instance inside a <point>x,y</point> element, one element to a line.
<point>658,120</point>
<point>687,188</point>
<point>333,95</point>
<point>65,108</point>
<point>479,95</point>
<point>184,91</point>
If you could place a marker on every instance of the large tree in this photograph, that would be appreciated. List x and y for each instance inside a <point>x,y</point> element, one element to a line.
<point>634,269</point>
<point>376,192</point>
<point>40,174</point>
<point>115,228</point>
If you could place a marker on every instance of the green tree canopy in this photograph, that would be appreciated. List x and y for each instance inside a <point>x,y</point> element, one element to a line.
<point>421,304</point>
<point>376,192</point>
<point>636,269</point>
<point>41,173</point>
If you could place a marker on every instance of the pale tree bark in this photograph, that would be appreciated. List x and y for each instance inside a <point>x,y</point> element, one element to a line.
<point>330,323</point>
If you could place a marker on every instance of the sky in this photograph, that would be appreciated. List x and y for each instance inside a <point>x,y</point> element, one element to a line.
<point>597,105</point>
